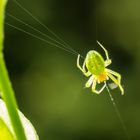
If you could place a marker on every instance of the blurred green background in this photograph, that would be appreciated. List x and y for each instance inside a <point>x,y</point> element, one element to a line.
<point>49,87</point>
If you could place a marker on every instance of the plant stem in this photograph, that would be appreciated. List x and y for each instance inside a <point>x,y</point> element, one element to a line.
<point>7,91</point>
<point>9,98</point>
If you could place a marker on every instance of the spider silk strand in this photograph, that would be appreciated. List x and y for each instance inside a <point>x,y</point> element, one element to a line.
<point>39,38</point>
<point>38,31</point>
<point>118,113</point>
<point>67,46</point>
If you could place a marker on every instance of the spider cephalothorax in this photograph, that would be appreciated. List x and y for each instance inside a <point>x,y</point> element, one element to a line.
<point>95,66</point>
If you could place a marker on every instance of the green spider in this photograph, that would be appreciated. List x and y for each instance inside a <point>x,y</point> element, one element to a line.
<point>95,66</point>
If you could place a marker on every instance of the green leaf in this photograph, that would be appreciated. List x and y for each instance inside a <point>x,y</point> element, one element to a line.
<point>28,127</point>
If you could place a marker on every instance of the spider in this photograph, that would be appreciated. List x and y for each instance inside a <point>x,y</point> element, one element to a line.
<point>95,66</point>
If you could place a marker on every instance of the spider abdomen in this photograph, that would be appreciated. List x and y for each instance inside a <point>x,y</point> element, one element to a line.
<point>95,62</point>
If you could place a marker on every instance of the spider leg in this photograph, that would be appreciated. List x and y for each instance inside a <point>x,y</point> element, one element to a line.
<point>82,69</point>
<point>89,82</point>
<point>84,65</point>
<point>78,64</point>
<point>106,52</point>
<point>108,60</point>
<point>94,87</point>
<point>116,81</point>
<point>115,73</point>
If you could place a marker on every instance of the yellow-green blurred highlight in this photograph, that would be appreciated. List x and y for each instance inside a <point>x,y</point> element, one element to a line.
<point>5,134</point>
<point>2,9</point>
